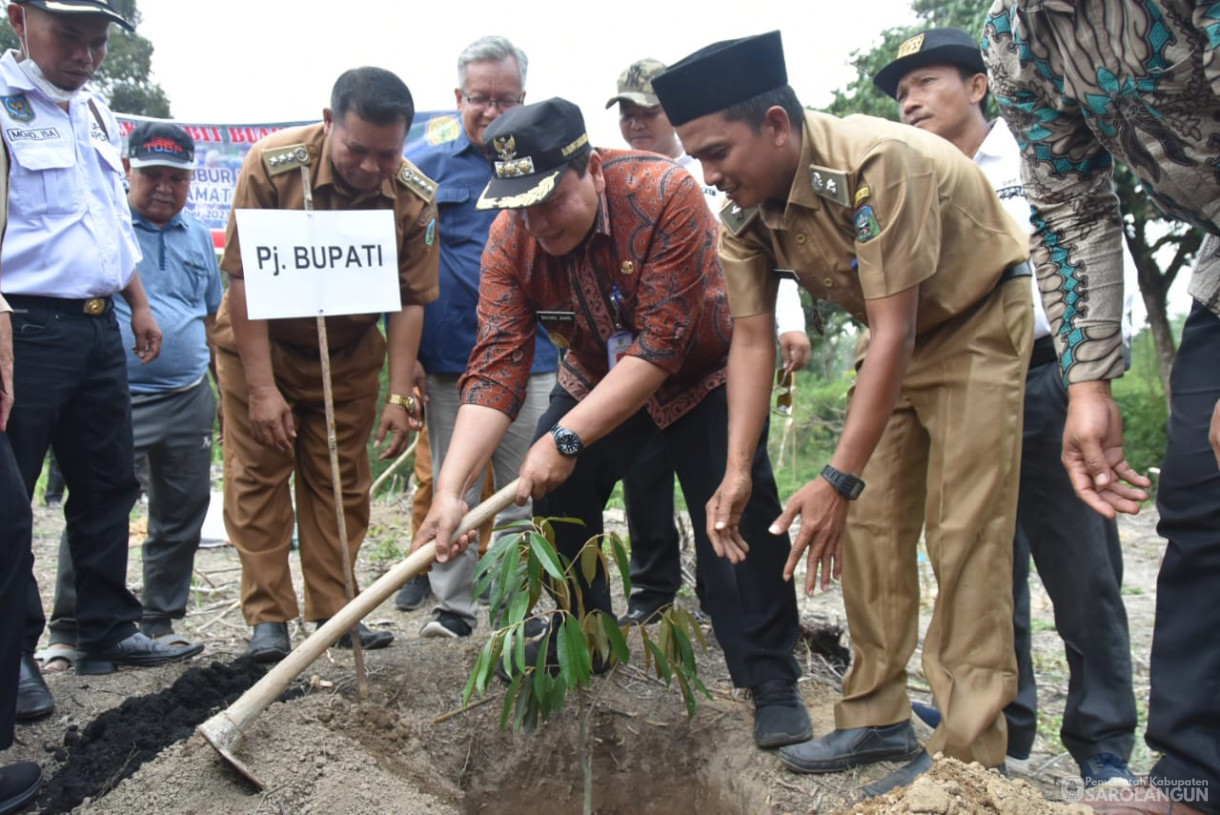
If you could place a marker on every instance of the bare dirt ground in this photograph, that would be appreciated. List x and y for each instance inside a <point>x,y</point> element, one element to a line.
<point>122,743</point>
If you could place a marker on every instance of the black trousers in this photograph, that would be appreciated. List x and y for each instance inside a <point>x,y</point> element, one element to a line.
<point>1080,561</point>
<point>648,492</point>
<point>70,383</point>
<point>753,610</point>
<point>1184,704</point>
<point>173,434</point>
<point>16,565</point>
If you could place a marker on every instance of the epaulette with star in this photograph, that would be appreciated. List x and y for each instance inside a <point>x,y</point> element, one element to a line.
<point>410,177</point>
<point>282,159</point>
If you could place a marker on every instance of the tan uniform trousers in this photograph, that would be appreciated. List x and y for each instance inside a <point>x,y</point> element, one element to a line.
<point>949,458</point>
<point>258,508</point>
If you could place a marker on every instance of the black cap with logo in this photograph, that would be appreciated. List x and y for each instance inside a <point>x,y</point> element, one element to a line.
<point>720,75</point>
<point>161,144</point>
<point>103,7</point>
<point>936,46</point>
<point>529,147</point>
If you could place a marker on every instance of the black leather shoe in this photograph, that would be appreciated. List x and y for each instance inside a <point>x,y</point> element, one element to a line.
<point>137,650</point>
<point>19,783</point>
<point>413,594</point>
<point>270,642</point>
<point>841,750</point>
<point>34,699</point>
<point>901,777</point>
<point>370,640</point>
<point>780,717</point>
<point>645,608</point>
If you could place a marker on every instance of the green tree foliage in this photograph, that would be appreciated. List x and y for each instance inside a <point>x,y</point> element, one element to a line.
<point>123,77</point>
<point>1161,247</point>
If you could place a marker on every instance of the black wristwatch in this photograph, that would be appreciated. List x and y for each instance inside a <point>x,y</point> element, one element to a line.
<point>569,443</point>
<point>846,484</point>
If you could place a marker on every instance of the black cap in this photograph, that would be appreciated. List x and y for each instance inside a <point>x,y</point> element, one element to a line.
<point>936,46</point>
<point>102,7</point>
<point>529,148</point>
<point>161,144</point>
<point>721,75</point>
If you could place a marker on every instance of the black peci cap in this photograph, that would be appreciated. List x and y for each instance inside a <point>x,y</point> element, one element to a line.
<point>720,75</point>
<point>936,46</point>
<point>529,148</point>
<point>103,7</point>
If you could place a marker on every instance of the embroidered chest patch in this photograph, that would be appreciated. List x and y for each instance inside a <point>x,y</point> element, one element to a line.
<point>18,108</point>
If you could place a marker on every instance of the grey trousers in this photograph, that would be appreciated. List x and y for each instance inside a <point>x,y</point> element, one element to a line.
<point>175,432</point>
<point>452,582</point>
<point>1080,561</point>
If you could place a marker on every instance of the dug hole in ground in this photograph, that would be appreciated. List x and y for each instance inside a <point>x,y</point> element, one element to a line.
<point>125,743</point>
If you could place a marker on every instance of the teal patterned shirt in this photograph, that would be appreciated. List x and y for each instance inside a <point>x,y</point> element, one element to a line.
<point>1082,82</point>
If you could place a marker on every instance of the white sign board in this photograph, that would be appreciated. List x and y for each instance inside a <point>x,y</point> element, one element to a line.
<point>306,264</point>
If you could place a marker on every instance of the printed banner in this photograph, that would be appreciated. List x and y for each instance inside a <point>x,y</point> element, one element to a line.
<point>220,150</point>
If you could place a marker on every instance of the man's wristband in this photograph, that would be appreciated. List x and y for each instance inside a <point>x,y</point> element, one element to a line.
<point>407,403</point>
<point>848,485</point>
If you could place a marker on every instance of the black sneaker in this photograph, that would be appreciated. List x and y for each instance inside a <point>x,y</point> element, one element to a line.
<point>413,594</point>
<point>446,624</point>
<point>780,717</point>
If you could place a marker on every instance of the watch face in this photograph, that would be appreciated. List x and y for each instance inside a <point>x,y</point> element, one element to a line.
<point>566,441</point>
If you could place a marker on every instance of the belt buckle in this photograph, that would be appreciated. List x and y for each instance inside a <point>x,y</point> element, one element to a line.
<point>95,306</point>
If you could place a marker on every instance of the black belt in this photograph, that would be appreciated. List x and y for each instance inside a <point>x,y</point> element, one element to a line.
<point>1044,352</point>
<point>1020,270</point>
<point>90,306</point>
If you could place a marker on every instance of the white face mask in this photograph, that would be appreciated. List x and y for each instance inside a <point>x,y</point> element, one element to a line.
<point>35,74</point>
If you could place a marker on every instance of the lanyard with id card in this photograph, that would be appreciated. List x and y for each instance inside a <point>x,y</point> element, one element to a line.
<point>621,339</point>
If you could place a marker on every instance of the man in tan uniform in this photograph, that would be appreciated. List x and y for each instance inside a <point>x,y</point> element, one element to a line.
<point>902,230</point>
<point>271,373</point>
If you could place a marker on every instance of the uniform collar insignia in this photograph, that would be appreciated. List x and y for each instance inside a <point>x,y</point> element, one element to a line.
<point>829,183</point>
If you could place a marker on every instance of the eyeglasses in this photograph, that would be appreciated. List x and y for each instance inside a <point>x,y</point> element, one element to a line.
<point>487,101</point>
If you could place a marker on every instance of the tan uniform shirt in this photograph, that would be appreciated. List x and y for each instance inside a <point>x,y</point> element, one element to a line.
<point>875,208</point>
<point>263,186</point>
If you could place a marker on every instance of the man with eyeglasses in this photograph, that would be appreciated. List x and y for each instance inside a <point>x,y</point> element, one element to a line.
<point>491,80</point>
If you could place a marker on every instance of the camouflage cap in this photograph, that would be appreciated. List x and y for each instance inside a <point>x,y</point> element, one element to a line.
<point>635,84</point>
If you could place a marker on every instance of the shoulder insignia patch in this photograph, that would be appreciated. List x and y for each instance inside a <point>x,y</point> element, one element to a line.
<point>417,182</point>
<point>736,219</point>
<point>861,194</point>
<point>867,227</point>
<point>282,159</point>
<point>829,183</point>
<point>442,129</point>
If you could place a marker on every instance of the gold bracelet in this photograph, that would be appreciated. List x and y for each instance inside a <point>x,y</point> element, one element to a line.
<point>405,402</point>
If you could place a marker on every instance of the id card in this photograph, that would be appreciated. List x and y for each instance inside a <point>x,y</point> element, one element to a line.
<point>617,346</point>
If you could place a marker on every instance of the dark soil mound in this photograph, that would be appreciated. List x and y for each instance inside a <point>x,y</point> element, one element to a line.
<point>117,743</point>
